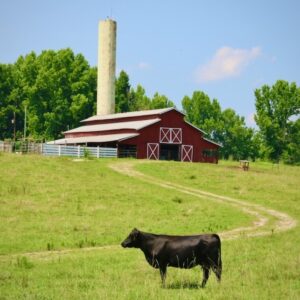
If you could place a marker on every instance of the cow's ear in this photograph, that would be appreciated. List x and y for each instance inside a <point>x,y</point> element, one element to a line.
<point>136,232</point>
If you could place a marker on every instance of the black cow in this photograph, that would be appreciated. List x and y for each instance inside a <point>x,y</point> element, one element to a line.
<point>185,252</point>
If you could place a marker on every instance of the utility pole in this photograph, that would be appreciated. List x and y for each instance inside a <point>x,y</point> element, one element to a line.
<point>25,123</point>
<point>14,122</point>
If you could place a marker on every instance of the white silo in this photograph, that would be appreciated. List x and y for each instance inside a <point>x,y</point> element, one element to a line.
<point>106,67</point>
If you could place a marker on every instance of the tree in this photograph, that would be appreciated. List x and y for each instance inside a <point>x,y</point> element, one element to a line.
<point>239,142</point>
<point>139,100</point>
<point>122,93</point>
<point>160,101</point>
<point>203,113</point>
<point>11,95</point>
<point>7,107</point>
<point>276,108</point>
<point>57,87</point>
<point>291,154</point>
<point>224,127</point>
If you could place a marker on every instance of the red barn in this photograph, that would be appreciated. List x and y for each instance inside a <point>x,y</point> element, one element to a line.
<point>154,134</point>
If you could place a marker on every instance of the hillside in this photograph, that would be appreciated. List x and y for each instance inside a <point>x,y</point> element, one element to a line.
<point>62,221</point>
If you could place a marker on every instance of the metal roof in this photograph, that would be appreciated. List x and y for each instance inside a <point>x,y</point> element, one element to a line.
<point>195,127</point>
<point>131,114</point>
<point>114,126</point>
<point>94,139</point>
<point>210,141</point>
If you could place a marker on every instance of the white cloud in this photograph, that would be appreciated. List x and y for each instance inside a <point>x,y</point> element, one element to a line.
<point>226,62</point>
<point>144,66</point>
<point>250,120</point>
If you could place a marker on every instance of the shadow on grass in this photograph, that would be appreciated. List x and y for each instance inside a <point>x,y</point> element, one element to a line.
<point>184,285</point>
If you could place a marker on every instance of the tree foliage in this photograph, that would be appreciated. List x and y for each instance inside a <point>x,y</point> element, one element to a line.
<point>57,87</point>
<point>277,115</point>
<point>122,93</point>
<point>130,99</point>
<point>7,101</point>
<point>224,127</point>
<point>160,101</point>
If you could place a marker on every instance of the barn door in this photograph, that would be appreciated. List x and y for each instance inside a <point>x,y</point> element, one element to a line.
<point>187,153</point>
<point>152,151</point>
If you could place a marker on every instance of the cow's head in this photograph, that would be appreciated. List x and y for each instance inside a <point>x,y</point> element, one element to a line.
<point>132,241</point>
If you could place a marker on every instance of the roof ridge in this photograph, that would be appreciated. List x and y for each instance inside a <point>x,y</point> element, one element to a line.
<point>148,112</point>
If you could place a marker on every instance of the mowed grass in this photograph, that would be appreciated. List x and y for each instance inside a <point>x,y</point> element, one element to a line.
<point>58,203</point>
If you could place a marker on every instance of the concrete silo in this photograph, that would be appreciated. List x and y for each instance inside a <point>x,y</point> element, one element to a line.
<point>106,67</point>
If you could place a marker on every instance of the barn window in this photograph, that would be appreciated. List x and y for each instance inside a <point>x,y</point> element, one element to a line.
<point>209,153</point>
<point>127,151</point>
<point>170,135</point>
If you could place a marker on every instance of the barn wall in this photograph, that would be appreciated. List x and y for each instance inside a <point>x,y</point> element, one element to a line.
<point>190,136</point>
<point>150,134</point>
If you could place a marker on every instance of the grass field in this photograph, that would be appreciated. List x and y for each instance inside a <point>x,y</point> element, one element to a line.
<point>52,210</point>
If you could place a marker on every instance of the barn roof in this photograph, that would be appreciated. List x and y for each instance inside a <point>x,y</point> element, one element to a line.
<point>131,122</point>
<point>136,125</point>
<point>94,139</point>
<point>210,141</point>
<point>131,114</point>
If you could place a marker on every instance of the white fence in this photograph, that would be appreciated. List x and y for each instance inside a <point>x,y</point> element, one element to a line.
<point>78,151</point>
<point>5,147</point>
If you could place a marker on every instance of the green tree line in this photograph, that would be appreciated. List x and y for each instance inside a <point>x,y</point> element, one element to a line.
<point>57,89</point>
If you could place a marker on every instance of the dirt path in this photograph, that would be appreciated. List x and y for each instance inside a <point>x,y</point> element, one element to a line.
<point>267,221</point>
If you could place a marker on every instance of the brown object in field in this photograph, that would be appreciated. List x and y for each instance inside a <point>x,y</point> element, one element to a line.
<point>244,164</point>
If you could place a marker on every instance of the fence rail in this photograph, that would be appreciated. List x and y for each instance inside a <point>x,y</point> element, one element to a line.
<point>58,150</point>
<point>5,147</point>
<point>78,151</point>
<point>20,146</point>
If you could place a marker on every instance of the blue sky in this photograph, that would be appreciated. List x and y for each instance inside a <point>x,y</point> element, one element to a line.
<point>224,48</point>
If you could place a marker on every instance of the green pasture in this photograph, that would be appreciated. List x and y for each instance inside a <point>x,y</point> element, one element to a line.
<point>51,205</point>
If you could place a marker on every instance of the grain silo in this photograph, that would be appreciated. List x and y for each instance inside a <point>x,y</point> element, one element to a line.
<point>106,67</point>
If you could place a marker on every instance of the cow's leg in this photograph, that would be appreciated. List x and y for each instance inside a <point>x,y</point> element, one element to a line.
<point>205,276</point>
<point>217,268</point>
<point>163,274</point>
<point>218,271</point>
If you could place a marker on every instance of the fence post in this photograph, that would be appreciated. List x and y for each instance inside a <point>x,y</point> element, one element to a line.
<point>59,150</point>
<point>78,151</point>
<point>98,152</point>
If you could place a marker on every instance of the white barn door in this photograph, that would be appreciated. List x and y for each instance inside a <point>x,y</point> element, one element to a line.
<point>187,153</point>
<point>153,151</point>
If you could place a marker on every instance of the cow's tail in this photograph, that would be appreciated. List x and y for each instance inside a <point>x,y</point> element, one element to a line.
<point>218,268</point>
